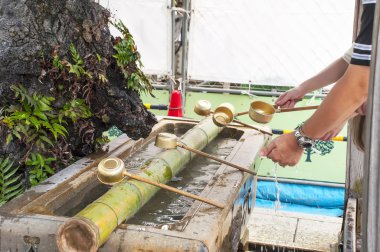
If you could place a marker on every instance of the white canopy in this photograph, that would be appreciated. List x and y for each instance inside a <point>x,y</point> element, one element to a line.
<point>268,42</point>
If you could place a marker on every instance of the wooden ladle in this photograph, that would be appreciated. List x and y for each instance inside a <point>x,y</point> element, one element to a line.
<point>112,170</point>
<point>263,112</point>
<point>203,108</point>
<point>169,141</point>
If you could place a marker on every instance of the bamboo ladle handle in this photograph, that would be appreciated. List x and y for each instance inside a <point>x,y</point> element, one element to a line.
<point>216,159</point>
<point>253,127</point>
<point>172,189</point>
<point>281,110</point>
<point>242,113</point>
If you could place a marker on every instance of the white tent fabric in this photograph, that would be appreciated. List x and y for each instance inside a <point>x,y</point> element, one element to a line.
<point>149,21</point>
<point>267,42</point>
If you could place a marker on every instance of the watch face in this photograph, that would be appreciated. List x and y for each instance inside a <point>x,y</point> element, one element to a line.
<point>307,145</point>
<point>303,142</point>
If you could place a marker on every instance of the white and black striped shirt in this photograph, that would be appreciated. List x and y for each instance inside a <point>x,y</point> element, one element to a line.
<point>361,54</point>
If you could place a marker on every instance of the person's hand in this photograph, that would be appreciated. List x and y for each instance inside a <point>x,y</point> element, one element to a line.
<point>290,98</point>
<point>362,110</point>
<point>283,150</point>
<point>332,133</point>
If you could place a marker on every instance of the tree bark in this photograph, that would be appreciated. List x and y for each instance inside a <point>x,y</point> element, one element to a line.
<point>30,31</point>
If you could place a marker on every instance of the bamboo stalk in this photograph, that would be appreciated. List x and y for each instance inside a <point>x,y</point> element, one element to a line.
<point>92,226</point>
<point>216,159</point>
<point>172,189</point>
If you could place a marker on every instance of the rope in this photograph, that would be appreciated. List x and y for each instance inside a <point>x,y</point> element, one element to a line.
<point>181,10</point>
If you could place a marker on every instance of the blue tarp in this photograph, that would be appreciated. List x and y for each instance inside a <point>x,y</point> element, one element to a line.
<point>311,199</point>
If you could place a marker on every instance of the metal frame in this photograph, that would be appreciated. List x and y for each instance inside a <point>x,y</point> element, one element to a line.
<point>172,80</point>
<point>371,180</point>
<point>234,91</point>
<point>300,182</point>
<point>349,230</point>
<point>184,62</point>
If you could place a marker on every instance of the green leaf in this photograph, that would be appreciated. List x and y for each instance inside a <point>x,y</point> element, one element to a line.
<point>7,175</point>
<point>48,169</point>
<point>40,115</point>
<point>44,105</point>
<point>40,159</point>
<point>5,164</point>
<point>17,134</point>
<point>13,194</point>
<point>60,129</point>
<point>9,138</point>
<point>99,57</point>
<point>11,181</point>
<point>36,123</point>
<point>46,140</point>
<point>47,125</point>
<point>31,138</point>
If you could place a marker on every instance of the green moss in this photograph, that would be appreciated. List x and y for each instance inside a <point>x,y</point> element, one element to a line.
<point>168,173</point>
<point>147,172</point>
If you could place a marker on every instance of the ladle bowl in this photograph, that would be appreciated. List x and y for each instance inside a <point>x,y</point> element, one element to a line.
<point>166,140</point>
<point>111,171</point>
<point>203,108</point>
<point>261,112</point>
<point>223,114</point>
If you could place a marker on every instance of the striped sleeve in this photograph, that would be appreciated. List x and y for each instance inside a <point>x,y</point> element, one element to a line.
<point>361,54</point>
<point>347,55</point>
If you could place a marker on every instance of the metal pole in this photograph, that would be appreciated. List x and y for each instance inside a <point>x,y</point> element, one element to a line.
<point>186,6</point>
<point>234,91</point>
<point>301,182</point>
<point>239,91</point>
<point>172,80</point>
<point>371,180</point>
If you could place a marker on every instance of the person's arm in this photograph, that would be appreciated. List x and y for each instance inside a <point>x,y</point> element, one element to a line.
<point>327,76</point>
<point>346,96</point>
<point>349,93</point>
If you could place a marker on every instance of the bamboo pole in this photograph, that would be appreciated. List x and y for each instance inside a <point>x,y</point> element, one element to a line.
<point>92,226</point>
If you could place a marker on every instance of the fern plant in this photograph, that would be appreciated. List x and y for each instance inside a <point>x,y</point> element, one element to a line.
<point>75,109</point>
<point>39,168</point>
<point>128,60</point>
<point>78,67</point>
<point>34,119</point>
<point>10,183</point>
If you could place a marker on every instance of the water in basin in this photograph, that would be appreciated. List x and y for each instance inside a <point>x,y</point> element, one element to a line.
<point>167,207</point>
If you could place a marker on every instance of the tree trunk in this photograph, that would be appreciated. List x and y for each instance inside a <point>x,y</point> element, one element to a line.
<point>32,32</point>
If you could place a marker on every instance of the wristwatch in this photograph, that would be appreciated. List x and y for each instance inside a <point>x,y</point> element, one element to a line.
<point>303,141</point>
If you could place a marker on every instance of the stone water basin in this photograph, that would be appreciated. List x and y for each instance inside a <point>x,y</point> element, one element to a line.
<point>168,222</point>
